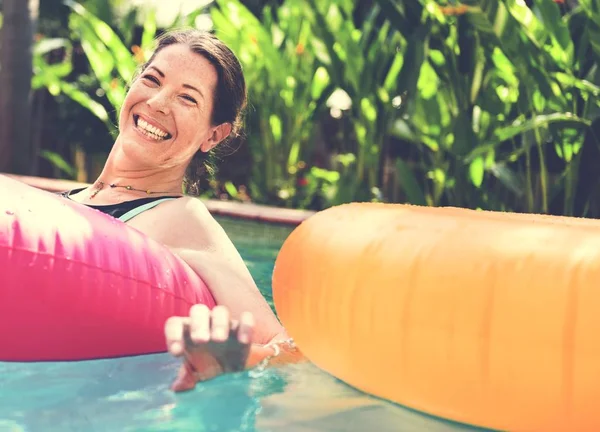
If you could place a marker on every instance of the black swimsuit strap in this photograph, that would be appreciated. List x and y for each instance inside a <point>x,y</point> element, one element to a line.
<point>119,209</point>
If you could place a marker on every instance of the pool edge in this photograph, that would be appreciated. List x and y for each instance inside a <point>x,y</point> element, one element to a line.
<point>246,211</point>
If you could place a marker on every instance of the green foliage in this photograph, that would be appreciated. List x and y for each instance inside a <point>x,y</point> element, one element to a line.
<point>287,91</point>
<point>481,104</point>
<point>112,62</point>
<point>370,63</point>
<point>502,86</point>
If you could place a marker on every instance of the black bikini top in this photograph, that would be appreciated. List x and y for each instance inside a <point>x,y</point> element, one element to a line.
<point>126,209</point>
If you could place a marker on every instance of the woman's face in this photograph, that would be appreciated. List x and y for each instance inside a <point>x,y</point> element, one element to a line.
<point>166,116</point>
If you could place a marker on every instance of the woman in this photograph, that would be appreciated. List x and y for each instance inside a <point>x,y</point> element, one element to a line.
<point>187,99</point>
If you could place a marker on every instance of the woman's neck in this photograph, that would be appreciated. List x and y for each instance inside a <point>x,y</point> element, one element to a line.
<point>144,181</point>
<point>122,179</point>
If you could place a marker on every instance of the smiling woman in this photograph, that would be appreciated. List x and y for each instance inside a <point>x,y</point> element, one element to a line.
<point>218,76</point>
<point>187,99</point>
<point>163,105</point>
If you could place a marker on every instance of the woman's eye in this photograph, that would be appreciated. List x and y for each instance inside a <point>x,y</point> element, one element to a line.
<point>189,98</point>
<point>151,78</point>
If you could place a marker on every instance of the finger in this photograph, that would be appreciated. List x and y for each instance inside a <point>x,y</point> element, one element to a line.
<point>185,380</point>
<point>174,335</point>
<point>200,323</point>
<point>220,324</point>
<point>246,328</point>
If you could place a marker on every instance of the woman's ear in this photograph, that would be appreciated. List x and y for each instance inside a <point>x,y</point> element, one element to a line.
<point>219,134</point>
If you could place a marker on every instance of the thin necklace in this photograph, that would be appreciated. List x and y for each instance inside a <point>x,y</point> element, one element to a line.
<point>101,184</point>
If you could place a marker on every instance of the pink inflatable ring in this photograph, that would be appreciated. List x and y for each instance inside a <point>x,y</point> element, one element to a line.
<point>77,284</point>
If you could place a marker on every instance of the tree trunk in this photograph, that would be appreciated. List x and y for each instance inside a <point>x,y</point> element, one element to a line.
<point>16,38</point>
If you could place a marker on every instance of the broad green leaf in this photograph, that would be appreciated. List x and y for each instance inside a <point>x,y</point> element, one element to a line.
<point>414,57</point>
<point>517,128</point>
<point>476,171</point>
<point>465,138</point>
<point>530,25</point>
<point>231,189</point>
<point>401,129</point>
<point>557,28</point>
<point>570,144</point>
<point>86,101</point>
<point>593,30</point>
<point>368,27</point>
<point>338,39</point>
<point>368,110</point>
<point>409,183</point>
<point>428,81</point>
<point>508,178</point>
<point>149,32</point>
<point>323,174</point>
<point>97,54</point>
<point>592,9</point>
<point>123,57</point>
<point>538,101</point>
<point>44,72</point>
<point>425,118</point>
<point>320,82</point>
<point>581,84</point>
<point>521,126</point>
<point>505,67</point>
<point>391,79</point>
<point>58,70</point>
<point>58,161</point>
<point>47,45</point>
<point>376,56</point>
<point>494,18</point>
<point>477,73</point>
<point>275,122</point>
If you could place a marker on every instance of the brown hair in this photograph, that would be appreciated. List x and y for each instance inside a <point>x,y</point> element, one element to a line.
<point>230,96</point>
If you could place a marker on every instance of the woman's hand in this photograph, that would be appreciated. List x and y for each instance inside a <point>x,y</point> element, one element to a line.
<point>209,342</point>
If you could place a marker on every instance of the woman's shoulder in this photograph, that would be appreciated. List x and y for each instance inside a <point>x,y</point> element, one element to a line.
<point>185,212</point>
<point>183,222</point>
<point>189,208</point>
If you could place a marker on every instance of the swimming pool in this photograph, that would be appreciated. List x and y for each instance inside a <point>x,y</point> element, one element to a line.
<point>132,394</point>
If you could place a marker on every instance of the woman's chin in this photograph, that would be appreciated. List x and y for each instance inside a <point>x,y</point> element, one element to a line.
<point>143,152</point>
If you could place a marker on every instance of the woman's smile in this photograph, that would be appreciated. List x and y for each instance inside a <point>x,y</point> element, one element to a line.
<point>149,129</point>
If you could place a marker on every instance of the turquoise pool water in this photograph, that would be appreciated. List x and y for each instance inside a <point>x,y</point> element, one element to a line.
<point>132,394</point>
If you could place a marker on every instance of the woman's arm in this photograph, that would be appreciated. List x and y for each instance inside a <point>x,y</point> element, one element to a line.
<point>188,229</point>
<point>242,330</point>
<point>231,284</point>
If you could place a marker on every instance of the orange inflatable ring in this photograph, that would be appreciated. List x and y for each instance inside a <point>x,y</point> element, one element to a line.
<point>489,319</point>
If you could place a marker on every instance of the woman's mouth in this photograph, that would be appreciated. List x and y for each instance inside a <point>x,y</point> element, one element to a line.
<point>150,131</point>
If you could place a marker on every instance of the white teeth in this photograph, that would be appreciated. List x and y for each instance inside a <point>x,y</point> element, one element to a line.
<point>142,124</point>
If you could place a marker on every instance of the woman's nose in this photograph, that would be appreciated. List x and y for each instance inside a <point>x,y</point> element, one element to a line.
<point>159,102</point>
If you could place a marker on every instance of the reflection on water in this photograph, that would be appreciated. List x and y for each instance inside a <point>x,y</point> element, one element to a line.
<point>132,394</point>
<point>315,401</point>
